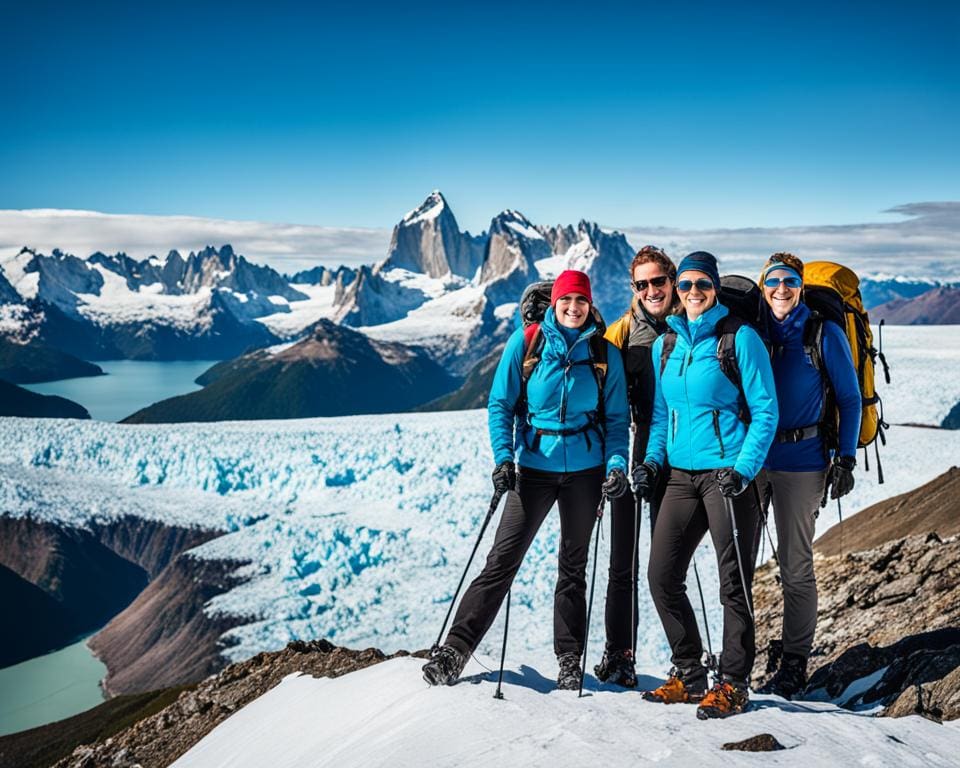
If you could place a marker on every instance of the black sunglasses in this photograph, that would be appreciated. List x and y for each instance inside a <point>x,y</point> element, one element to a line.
<point>656,282</point>
<point>702,283</point>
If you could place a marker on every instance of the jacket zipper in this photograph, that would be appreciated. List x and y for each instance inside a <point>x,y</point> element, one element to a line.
<point>716,429</point>
<point>673,436</point>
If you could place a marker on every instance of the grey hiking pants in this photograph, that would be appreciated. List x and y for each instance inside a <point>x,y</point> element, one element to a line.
<point>796,499</point>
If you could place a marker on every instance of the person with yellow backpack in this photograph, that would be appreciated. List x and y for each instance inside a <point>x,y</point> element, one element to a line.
<point>813,453</point>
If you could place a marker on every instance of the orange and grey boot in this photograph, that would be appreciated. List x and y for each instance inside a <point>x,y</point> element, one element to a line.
<point>727,697</point>
<point>683,686</point>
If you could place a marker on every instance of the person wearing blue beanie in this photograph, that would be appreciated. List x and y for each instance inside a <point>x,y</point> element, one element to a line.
<point>700,261</point>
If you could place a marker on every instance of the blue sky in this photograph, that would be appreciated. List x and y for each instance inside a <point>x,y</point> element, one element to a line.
<point>691,116</point>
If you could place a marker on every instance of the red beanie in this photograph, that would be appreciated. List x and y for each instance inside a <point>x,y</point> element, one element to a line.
<point>570,281</point>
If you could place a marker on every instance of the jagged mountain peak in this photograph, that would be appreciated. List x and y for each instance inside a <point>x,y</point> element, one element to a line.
<point>430,208</point>
<point>512,222</point>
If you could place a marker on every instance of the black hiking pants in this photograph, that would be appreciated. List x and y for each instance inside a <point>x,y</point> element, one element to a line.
<point>692,505</point>
<point>577,495</point>
<point>620,614</point>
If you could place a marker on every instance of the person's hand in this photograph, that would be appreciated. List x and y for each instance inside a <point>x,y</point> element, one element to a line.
<point>840,476</point>
<point>731,482</point>
<point>616,484</point>
<point>504,477</point>
<point>645,479</point>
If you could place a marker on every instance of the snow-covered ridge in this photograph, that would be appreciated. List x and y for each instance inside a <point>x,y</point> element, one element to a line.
<point>429,209</point>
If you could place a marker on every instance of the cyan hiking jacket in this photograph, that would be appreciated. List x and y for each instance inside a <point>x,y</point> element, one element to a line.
<point>800,391</point>
<point>696,423</point>
<point>561,397</point>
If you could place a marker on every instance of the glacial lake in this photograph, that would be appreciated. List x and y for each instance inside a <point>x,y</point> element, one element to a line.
<point>49,688</point>
<point>128,386</point>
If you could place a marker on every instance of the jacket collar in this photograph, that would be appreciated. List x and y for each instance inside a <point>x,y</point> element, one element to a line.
<point>704,327</point>
<point>791,328</point>
<point>551,329</point>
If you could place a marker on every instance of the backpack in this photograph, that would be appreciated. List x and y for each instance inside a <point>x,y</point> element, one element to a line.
<point>533,306</point>
<point>742,297</point>
<point>832,292</point>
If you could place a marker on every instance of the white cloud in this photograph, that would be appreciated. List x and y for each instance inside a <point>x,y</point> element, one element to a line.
<point>925,243</point>
<point>286,247</point>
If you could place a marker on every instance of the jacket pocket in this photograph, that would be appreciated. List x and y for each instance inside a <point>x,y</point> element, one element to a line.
<point>716,430</point>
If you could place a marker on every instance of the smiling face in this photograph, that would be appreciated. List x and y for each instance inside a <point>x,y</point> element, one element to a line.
<point>656,300</point>
<point>696,301</point>
<point>572,310</point>
<point>781,298</point>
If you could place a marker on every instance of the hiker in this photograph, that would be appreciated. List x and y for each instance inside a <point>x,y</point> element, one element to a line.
<point>800,466</point>
<point>652,277</point>
<point>701,431</point>
<point>550,449</point>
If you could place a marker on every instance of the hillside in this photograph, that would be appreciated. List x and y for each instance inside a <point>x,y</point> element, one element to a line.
<point>34,363</point>
<point>334,371</point>
<point>17,401</point>
<point>939,306</point>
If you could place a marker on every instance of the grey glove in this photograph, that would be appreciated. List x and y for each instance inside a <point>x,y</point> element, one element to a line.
<point>504,477</point>
<point>616,484</point>
<point>731,482</point>
<point>645,479</point>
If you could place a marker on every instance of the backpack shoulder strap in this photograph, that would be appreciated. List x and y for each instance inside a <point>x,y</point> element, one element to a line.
<point>669,342</point>
<point>813,339</point>
<point>727,329</point>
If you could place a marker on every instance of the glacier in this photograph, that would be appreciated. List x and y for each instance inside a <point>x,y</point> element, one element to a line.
<point>356,529</point>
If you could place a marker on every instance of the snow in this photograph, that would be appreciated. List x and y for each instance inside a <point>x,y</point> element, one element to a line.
<point>357,528</point>
<point>429,210</point>
<point>519,224</point>
<point>15,319</point>
<point>386,715</point>
<point>304,313</point>
<point>27,284</point>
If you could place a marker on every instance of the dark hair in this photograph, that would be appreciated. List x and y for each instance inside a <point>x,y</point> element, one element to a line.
<point>650,253</point>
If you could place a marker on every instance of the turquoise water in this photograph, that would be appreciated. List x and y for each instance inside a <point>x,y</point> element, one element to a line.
<point>128,386</point>
<point>49,688</point>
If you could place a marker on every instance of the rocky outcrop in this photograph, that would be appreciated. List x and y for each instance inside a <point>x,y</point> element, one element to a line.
<point>73,580</point>
<point>17,401</point>
<point>164,637</point>
<point>889,607</point>
<point>512,251</point>
<point>333,372</point>
<point>161,738</point>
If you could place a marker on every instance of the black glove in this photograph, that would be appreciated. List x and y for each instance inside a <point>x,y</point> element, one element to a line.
<point>616,484</point>
<point>645,479</point>
<point>504,477</point>
<point>840,476</point>
<point>731,482</point>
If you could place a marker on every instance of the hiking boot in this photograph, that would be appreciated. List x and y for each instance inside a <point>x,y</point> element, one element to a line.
<point>617,668</point>
<point>682,687</point>
<point>724,699</point>
<point>790,679</point>
<point>445,666</point>
<point>570,675</point>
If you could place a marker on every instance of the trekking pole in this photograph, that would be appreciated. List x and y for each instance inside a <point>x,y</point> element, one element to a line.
<point>711,659</point>
<point>840,515</point>
<point>503,651</point>
<point>765,517</point>
<point>494,503</point>
<point>736,547</point>
<point>593,582</point>
<point>634,567</point>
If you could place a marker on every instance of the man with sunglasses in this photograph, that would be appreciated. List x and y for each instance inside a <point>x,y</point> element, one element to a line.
<point>652,276</point>
<point>701,439</point>
<point>799,465</point>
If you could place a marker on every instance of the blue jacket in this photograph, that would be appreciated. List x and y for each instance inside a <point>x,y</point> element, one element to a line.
<point>559,397</point>
<point>800,391</point>
<point>695,412</point>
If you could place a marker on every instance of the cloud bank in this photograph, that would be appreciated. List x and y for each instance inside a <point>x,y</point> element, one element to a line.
<point>924,242</point>
<point>286,247</point>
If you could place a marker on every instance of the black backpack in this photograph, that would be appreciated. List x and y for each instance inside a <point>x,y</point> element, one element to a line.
<point>742,297</point>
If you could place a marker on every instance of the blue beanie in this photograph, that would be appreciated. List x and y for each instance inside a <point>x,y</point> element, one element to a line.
<point>702,262</point>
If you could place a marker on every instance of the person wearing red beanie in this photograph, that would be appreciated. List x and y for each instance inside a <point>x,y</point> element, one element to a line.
<point>570,281</point>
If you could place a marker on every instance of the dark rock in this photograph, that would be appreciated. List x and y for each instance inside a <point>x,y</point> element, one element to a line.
<point>952,419</point>
<point>763,742</point>
<point>17,401</point>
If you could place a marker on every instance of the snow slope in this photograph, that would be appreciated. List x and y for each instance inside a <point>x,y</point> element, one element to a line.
<point>357,528</point>
<point>386,715</point>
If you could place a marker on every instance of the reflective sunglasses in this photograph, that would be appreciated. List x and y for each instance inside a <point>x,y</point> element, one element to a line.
<point>656,282</point>
<point>791,281</point>
<point>702,283</point>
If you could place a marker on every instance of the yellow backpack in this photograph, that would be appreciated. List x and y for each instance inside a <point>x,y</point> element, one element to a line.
<point>833,291</point>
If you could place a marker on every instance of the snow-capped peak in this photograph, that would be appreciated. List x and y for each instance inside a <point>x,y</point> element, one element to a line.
<point>429,209</point>
<point>517,223</point>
